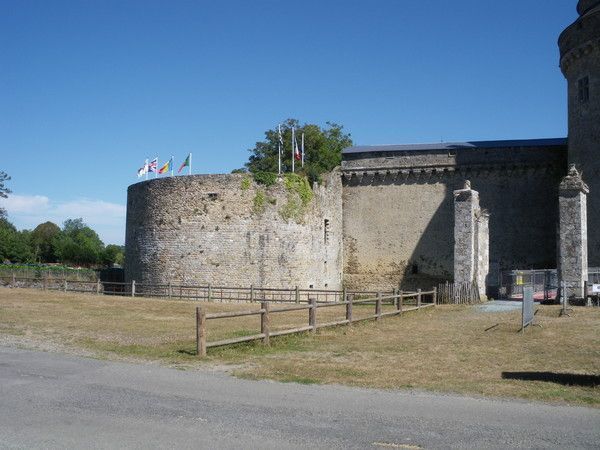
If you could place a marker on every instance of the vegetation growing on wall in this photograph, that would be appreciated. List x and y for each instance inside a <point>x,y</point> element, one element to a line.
<point>300,185</point>
<point>298,198</point>
<point>265,178</point>
<point>246,183</point>
<point>260,200</point>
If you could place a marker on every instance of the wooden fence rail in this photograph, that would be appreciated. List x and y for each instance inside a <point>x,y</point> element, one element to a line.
<point>205,292</point>
<point>265,312</point>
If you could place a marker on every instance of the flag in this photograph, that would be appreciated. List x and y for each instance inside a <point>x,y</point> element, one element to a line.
<point>297,155</point>
<point>152,165</point>
<point>166,167</point>
<point>186,163</point>
<point>143,170</point>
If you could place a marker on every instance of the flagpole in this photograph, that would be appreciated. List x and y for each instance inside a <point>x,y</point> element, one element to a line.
<point>146,167</point>
<point>190,167</point>
<point>302,149</point>
<point>156,171</point>
<point>171,165</point>
<point>279,149</point>
<point>293,155</point>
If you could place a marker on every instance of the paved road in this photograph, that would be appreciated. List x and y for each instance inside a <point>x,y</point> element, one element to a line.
<point>51,400</point>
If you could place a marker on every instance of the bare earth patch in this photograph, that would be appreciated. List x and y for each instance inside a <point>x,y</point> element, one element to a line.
<point>443,349</point>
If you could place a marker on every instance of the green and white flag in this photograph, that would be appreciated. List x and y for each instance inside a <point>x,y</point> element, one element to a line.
<point>186,163</point>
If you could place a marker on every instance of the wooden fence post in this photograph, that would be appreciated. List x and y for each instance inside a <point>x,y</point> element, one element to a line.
<point>251,293</point>
<point>98,287</point>
<point>133,288</point>
<point>378,307</point>
<point>265,321</point>
<point>434,295</point>
<point>395,298</point>
<point>297,295</point>
<point>200,332</point>
<point>418,298</point>
<point>46,282</point>
<point>400,300</point>
<point>349,308</point>
<point>14,281</point>
<point>344,294</point>
<point>170,289</point>
<point>65,285</point>
<point>312,314</point>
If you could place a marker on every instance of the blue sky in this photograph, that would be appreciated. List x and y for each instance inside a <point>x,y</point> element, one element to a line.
<point>89,89</point>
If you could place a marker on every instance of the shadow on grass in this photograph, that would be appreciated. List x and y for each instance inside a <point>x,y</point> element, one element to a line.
<point>569,379</point>
<point>187,352</point>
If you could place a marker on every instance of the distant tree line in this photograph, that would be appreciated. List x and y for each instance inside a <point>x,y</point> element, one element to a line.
<point>74,244</point>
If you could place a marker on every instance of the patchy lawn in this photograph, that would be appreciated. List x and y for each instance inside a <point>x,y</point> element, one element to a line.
<point>444,349</point>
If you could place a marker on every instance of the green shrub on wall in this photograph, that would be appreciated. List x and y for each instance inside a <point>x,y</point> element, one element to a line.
<point>265,178</point>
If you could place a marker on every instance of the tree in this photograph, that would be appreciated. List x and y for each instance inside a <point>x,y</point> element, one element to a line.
<point>322,149</point>
<point>43,241</point>
<point>79,244</point>
<point>4,191</point>
<point>113,254</point>
<point>14,245</point>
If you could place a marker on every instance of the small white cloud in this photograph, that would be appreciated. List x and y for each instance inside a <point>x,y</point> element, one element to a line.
<point>25,204</point>
<point>28,211</point>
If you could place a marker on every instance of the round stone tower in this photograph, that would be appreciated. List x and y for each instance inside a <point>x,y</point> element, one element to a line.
<point>579,47</point>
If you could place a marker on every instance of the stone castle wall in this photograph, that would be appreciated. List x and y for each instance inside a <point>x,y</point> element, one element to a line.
<point>216,229</point>
<point>399,218</point>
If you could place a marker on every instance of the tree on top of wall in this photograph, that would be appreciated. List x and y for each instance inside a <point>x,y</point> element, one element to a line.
<point>322,149</point>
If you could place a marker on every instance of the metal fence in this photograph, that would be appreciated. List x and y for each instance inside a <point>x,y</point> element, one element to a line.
<point>543,281</point>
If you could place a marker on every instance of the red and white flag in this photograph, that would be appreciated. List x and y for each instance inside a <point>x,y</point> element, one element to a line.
<point>297,155</point>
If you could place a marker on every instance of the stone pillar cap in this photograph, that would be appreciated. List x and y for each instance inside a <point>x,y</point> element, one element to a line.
<point>466,191</point>
<point>573,181</point>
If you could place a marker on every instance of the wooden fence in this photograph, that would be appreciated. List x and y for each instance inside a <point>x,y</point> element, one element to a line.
<point>205,292</point>
<point>265,311</point>
<point>458,293</point>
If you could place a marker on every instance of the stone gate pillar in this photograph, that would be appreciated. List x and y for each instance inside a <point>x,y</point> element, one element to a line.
<point>572,228</point>
<point>471,239</point>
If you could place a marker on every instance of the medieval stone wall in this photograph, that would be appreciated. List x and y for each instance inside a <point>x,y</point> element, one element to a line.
<point>227,230</point>
<point>398,212</point>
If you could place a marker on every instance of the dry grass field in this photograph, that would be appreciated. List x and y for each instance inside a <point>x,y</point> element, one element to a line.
<point>445,349</point>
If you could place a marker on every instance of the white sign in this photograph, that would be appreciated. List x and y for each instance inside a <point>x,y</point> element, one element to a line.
<point>596,288</point>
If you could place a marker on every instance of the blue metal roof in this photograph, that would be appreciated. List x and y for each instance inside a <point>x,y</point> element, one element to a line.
<point>447,146</point>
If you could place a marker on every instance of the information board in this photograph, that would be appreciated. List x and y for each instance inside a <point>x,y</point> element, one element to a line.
<point>528,306</point>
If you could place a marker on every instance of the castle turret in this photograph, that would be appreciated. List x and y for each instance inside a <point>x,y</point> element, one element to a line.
<point>579,47</point>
